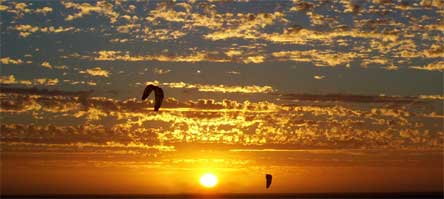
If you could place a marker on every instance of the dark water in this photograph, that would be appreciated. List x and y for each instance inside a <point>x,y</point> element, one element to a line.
<point>259,196</point>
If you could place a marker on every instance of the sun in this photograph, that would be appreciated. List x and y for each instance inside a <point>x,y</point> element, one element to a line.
<point>208,180</point>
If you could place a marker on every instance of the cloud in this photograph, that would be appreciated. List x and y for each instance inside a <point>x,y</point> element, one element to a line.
<point>319,58</point>
<point>349,98</point>
<point>435,51</point>
<point>432,3</point>
<point>302,6</point>
<point>160,71</point>
<point>162,12</point>
<point>10,79</point>
<point>44,92</point>
<point>299,35</point>
<point>46,65</point>
<point>101,7</point>
<point>262,124</point>
<point>319,76</point>
<point>46,81</point>
<point>233,72</point>
<point>373,60</point>
<point>22,8</point>
<point>217,88</point>
<point>391,67</point>
<point>246,26</point>
<point>45,10</point>
<point>69,137</point>
<point>75,82</point>
<point>233,52</point>
<point>432,97</point>
<point>97,71</point>
<point>436,66</point>
<point>8,60</point>
<point>25,29</point>
<point>254,59</point>
<point>3,8</point>
<point>105,55</point>
<point>38,81</point>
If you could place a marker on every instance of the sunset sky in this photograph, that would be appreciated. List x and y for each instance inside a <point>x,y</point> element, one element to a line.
<point>328,96</point>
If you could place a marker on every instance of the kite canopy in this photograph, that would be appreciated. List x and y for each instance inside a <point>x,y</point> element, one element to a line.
<point>268,178</point>
<point>158,95</point>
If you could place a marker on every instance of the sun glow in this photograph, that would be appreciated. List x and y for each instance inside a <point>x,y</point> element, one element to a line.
<point>208,180</point>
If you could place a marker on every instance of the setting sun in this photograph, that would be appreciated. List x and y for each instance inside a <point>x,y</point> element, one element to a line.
<point>208,180</point>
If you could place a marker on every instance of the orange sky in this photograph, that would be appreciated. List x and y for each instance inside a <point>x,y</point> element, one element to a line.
<point>328,96</point>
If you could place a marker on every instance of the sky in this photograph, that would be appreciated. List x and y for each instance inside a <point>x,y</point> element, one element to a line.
<point>328,96</point>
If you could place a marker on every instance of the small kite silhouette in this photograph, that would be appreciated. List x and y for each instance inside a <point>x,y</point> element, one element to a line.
<point>268,178</point>
<point>158,95</point>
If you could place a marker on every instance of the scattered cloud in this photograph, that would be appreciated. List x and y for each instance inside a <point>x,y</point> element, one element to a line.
<point>436,66</point>
<point>25,29</point>
<point>45,10</point>
<point>391,67</point>
<point>319,76</point>
<point>349,98</point>
<point>319,58</point>
<point>8,60</point>
<point>319,125</point>
<point>233,72</point>
<point>254,59</point>
<point>217,88</point>
<point>10,79</point>
<point>432,97</point>
<point>247,26</point>
<point>160,71</point>
<point>46,81</point>
<point>46,65</point>
<point>97,71</point>
<point>101,7</point>
<point>125,56</point>
<point>38,81</point>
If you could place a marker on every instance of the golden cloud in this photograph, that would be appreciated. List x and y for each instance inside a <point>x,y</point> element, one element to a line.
<point>239,124</point>
<point>246,26</point>
<point>8,60</point>
<point>45,10</point>
<point>217,88</point>
<point>436,66</point>
<point>319,76</point>
<point>46,65</point>
<point>97,71</point>
<point>319,58</point>
<point>125,56</point>
<point>160,71</point>
<point>101,7</point>
<point>7,79</point>
<point>301,35</point>
<point>10,79</point>
<point>46,81</point>
<point>25,29</point>
<point>3,8</point>
<point>38,81</point>
<point>254,59</point>
<point>432,97</point>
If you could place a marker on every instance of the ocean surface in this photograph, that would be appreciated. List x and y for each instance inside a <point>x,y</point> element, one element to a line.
<point>234,196</point>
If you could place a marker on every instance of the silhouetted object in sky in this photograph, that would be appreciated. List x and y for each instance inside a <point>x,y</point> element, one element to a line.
<point>268,177</point>
<point>158,94</point>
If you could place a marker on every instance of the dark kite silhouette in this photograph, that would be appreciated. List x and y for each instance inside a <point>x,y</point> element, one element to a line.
<point>158,94</point>
<point>268,178</point>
